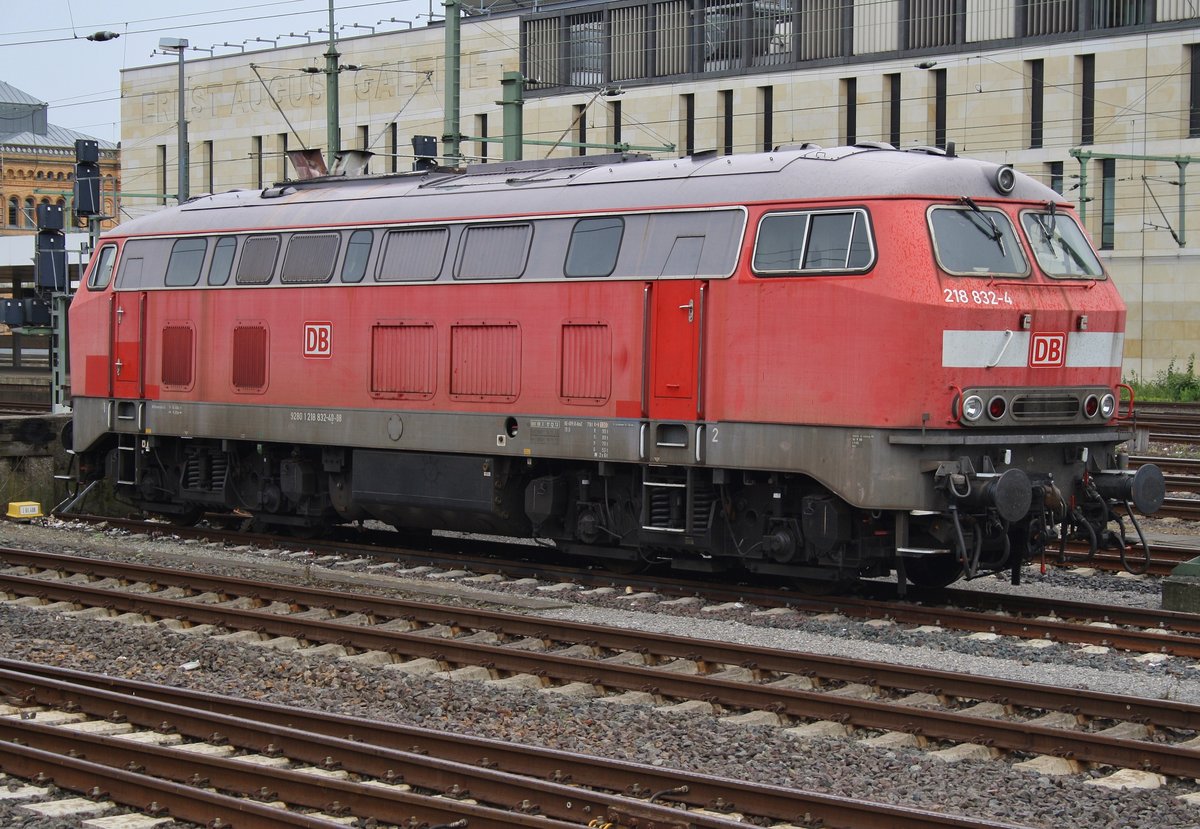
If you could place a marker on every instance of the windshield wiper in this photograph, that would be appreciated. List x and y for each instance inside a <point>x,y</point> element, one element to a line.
<point>992,231</point>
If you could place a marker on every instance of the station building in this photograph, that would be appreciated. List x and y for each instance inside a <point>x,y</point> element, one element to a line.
<point>1099,99</point>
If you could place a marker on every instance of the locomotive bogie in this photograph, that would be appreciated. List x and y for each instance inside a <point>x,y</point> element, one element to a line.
<point>784,363</point>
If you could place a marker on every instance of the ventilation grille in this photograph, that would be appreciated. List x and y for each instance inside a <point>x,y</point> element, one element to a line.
<point>486,361</point>
<point>1045,407</point>
<point>404,360</point>
<point>586,363</point>
<point>177,350</point>
<point>250,358</point>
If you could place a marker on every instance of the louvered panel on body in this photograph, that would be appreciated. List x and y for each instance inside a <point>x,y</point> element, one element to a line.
<point>250,357</point>
<point>586,363</point>
<point>486,360</point>
<point>178,356</point>
<point>404,360</point>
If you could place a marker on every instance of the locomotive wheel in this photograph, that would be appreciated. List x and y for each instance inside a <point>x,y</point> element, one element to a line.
<point>933,571</point>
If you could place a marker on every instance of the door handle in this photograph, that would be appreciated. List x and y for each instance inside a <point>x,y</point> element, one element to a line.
<point>691,309</point>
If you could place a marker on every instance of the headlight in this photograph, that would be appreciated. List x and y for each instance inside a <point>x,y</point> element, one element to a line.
<point>972,408</point>
<point>1108,405</point>
<point>997,407</point>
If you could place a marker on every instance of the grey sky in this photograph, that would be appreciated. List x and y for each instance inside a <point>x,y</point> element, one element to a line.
<point>44,50</point>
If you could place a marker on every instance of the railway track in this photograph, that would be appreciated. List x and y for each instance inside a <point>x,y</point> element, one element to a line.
<point>800,691</point>
<point>1139,631</point>
<point>274,755</point>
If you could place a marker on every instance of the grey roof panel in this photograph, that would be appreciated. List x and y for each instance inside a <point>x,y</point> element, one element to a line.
<point>784,175</point>
<point>9,94</point>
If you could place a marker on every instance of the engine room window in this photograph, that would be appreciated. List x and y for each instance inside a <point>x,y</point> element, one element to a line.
<point>187,258</point>
<point>358,250</point>
<point>974,241</point>
<point>222,260</point>
<point>257,264</point>
<point>594,246</point>
<point>310,257</point>
<point>102,274</point>
<point>826,241</point>
<point>1060,247</point>
<point>413,255</point>
<point>494,251</point>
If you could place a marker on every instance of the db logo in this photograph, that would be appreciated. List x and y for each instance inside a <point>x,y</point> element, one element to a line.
<point>1048,351</point>
<point>318,339</point>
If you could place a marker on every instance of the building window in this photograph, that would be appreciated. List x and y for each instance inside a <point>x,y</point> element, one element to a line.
<point>481,132</point>
<point>580,124</point>
<point>14,211</point>
<point>394,147</point>
<point>585,49</point>
<point>931,23</point>
<point>614,122</point>
<point>1194,92</point>
<point>28,213</point>
<point>687,123</point>
<point>364,143</point>
<point>939,108</point>
<point>1054,175</point>
<point>725,102</point>
<point>1113,14</point>
<point>282,142</point>
<point>256,160</point>
<point>210,165</point>
<point>893,92</point>
<point>1037,84</point>
<point>849,111</point>
<point>161,153</point>
<point>766,105</point>
<point>1050,17</point>
<point>1086,67</point>
<point>1108,203</point>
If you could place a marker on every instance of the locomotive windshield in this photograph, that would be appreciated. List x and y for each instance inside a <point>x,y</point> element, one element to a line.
<point>1059,246</point>
<point>976,241</point>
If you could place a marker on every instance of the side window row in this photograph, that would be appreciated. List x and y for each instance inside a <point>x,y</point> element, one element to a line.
<point>702,243</point>
<point>813,241</point>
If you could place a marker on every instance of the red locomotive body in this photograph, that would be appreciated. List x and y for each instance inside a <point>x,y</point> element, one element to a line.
<point>825,363</point>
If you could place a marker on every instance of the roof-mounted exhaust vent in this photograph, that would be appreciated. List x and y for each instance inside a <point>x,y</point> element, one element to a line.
<point>308,164</point>
<point>350,163</point>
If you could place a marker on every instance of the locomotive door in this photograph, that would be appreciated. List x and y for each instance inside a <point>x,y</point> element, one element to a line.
<point>678,310</point>
<point>128,327</point>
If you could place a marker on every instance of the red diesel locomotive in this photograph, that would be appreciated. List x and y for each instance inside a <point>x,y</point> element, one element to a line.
<point>825,363</point>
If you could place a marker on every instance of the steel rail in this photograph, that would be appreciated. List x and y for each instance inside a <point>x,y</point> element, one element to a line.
<point>770,660</point>
<point>790,702</point>
<point>492,770</point>
<point>179,801</point>
<point>1178,644</point>
<point>296,788</point>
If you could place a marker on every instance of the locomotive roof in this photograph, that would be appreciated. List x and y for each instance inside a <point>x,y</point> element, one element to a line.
<point>606,183</point>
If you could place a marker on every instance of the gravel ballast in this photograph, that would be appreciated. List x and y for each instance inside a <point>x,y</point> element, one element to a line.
<point>909,777</point>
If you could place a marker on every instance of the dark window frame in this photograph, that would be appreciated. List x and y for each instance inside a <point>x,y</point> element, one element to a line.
<point>351,246</point>
<point>183,269</point>
<point>222,243</point>
<point>394,233</point>
<point>1013,235</point>
<point>108,268</point>
<point>290,279</point>
<point>242,259</point>
<point>616,251</point>
<point>861,214</point>
<point>466,251</point>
